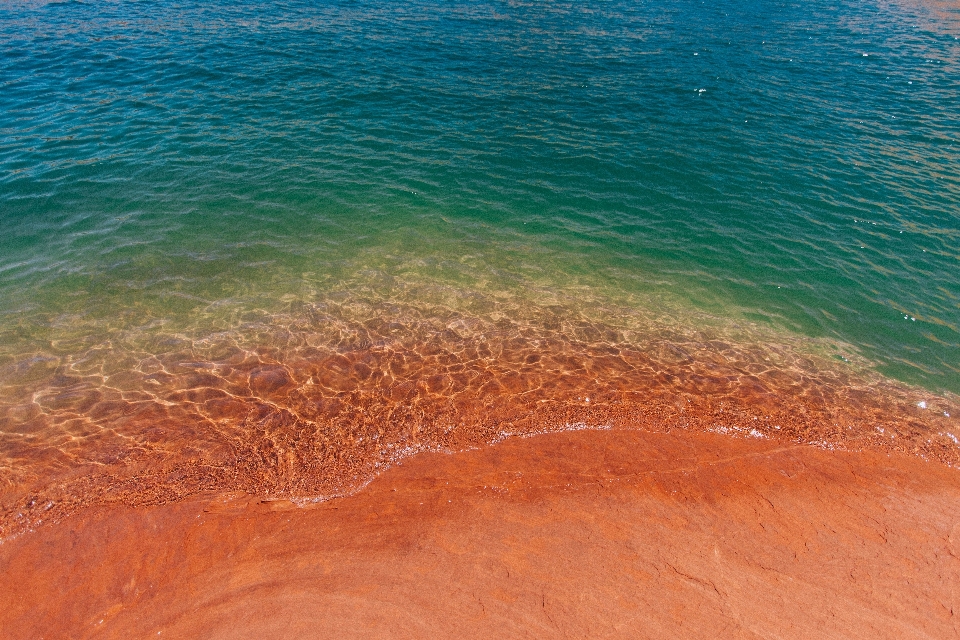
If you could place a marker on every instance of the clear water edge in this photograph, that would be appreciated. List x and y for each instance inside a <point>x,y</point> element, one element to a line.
<point>779,177</point>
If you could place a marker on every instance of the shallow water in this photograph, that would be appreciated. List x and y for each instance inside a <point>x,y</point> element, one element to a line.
<point>276,247</point>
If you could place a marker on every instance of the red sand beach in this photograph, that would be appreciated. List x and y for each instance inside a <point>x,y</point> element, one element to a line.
<point>734,491</point>
<point>613,533</point>
<point>479,320</point>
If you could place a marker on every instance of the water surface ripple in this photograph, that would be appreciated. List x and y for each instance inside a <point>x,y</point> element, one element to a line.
<point>765,184</point>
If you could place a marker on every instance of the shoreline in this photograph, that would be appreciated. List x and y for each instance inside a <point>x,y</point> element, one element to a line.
<point>602,533</point>
<point>321,418</point>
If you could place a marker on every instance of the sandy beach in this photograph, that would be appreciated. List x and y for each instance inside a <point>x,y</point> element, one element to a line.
<point>581,534</point>
<point>479,320</point>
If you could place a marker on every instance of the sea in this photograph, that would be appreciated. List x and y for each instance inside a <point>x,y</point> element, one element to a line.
<point>277,247</point>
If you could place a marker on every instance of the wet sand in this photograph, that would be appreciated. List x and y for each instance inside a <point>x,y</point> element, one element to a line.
<point>615,533</point>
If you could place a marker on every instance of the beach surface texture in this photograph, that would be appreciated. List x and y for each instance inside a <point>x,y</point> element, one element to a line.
<point>480,319</point>
<point>586,534</point>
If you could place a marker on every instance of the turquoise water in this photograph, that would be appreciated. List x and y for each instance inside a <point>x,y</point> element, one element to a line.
<point>796,162</point>
<point>172,173</point>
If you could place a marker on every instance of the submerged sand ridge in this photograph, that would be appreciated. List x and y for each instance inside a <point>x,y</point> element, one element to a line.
<point>578,534</point>
<point>316,403</point>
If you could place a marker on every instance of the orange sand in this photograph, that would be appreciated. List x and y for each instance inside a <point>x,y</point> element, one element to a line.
<point>588,534</point>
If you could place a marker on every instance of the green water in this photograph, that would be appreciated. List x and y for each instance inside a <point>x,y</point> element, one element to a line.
<point>792,165</point>
<point>275,247</point>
